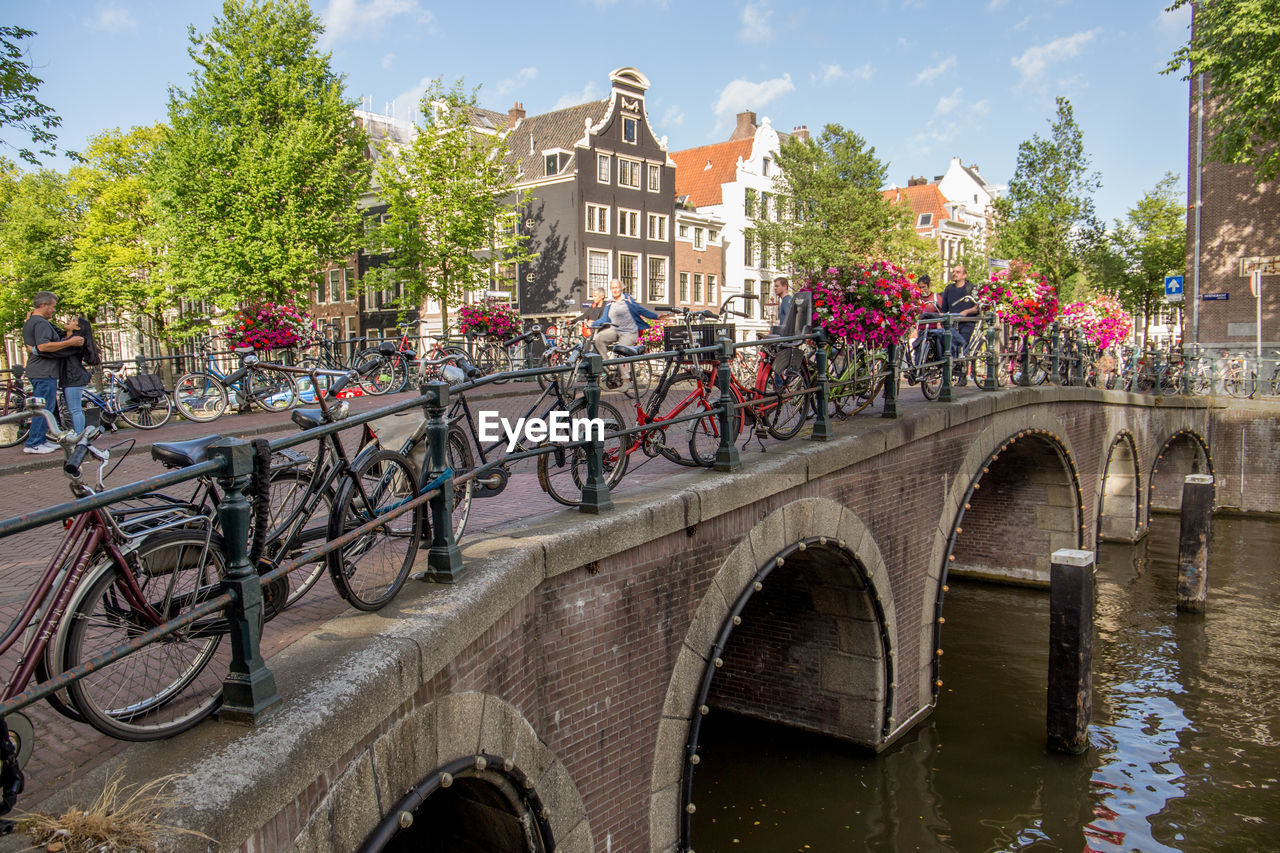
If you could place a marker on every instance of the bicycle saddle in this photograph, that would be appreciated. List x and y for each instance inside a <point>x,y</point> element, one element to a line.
<point>388,348</point>
<point>180,454</point>
<point>243,350</point>
<point>312,418</point>
<point>624,350</point>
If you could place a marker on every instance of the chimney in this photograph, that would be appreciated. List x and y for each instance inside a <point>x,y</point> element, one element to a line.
<point>515,114</point>
<point>801,133</point>
<point>746,126</point>
<point>916,182</point>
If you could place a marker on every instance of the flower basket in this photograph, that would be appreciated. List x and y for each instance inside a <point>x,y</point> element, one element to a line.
<point>271,326</point>
<point>1102,319</point>
<point>1025,301</point>
<point>875,305</point>
<point>489,319</point>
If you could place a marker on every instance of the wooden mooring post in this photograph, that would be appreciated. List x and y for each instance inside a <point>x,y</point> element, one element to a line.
<point>1193,542</point>
<point>1071,611</point>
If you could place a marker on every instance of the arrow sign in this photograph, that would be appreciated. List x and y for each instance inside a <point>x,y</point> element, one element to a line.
<point>1173,288</point>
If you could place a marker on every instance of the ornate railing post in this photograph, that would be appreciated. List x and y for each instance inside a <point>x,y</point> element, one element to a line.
<point>1077,367</point>
<point>1157,370</point>
<point>1024,360</point>
<point>993,360</point>
<point>727,453</point>
<point>891,384</point>
<point>822,415</point>
<point>946,395</point>
<point>1055,356</point>
<point>249,690</point>
<point>595,492</point>
<point>444,558</point>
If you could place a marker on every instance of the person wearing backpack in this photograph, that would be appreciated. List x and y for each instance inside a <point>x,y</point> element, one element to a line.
<point>74,377</point>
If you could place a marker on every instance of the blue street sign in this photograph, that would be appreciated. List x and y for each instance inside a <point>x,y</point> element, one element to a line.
<point>1173,288</point>
<point>1215,297</point>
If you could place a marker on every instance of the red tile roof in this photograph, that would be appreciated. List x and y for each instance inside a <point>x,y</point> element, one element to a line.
<point>922,198</point>
<point>700,172</point>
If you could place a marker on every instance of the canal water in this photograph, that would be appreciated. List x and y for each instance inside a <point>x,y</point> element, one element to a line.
<point>1185,740</point>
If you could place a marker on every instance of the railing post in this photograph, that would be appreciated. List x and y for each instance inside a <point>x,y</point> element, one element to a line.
<point>1157,358</point>
<point>946,395</point>
<point>444,559</point>
<point>595,492</point>
<point>727,453</point>
<point>822,415</point>
<point>1055,357</point>
<point>891,384</point>
<point>1071,617</point>
<point>1025,358</point>
<point>1077,368</point>
<point>993,360</point>
<point>249,690</point>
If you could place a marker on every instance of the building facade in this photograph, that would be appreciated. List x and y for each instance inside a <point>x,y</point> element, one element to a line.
<point>699,260</point>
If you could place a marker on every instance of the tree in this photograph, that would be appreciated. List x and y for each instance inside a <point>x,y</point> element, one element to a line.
<point>37,225</point>
<point>119,248</point>
<point>1047,213</point>
<point>447,193</point>
<point>830,209</point>
<point>19,107</point>
<point>263,166</point>
<point>1236,45</point>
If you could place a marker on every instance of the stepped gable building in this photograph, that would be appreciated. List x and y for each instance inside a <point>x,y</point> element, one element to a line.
<point>950,210</point>
<point>603,200</point>
<point>733,181</point>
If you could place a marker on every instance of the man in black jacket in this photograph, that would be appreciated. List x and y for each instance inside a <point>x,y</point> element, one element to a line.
<point>44,342</point>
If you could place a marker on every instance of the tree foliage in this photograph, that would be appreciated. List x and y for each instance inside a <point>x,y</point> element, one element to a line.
<point>263,166</point>
<point>447,191</point>
<point>831,212</point>
<point>19,107</point>
<point>1236,44</point>
<point>1047,213</point>
<point>37,224</point>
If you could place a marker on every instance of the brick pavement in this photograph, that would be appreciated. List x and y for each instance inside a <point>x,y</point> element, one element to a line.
<point>65,749</point>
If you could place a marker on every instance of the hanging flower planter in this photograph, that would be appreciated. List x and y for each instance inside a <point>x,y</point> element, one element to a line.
<point>271,326</point>
<point>489,319</point>
<point>874,305</point>
<point>1102,319</point>
<point>1025,300</point>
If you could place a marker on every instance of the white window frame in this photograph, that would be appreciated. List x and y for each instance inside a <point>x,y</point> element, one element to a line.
<point>699,239</point>
<point>710,283</point>
<point>546,164</point>
<point>603,283</point>
<point>924,220</point>
<point>658,233</point>
<point>592,211</point>
<point>712,235</point>
<point>653,178</point>
<point>634,169</point>
<point>605,161</point>
<point>635,130</point>
<point>628,222</point>
<point>684,287</point>
<point>637,271</point>
<point>697,288</point>
<point>649,278</point>
<point>684,230</point>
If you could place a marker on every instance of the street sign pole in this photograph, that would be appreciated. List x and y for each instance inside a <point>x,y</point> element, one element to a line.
<point>1255,285</point>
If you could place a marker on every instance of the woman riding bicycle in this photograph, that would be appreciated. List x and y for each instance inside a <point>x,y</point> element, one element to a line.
<point>625,319</point>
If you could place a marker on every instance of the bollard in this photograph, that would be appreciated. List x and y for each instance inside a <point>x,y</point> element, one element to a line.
<point>727,453</point>
<point>595,491</point>
<point>891,384</point>
<point>822,415</point>
<point>444,558</point>
<point>945,395</point>
<point>1071,612</point>
<point>249,690</point>
<point>1194,533</point>
<point>992,380</point>
<point>1055,358</point>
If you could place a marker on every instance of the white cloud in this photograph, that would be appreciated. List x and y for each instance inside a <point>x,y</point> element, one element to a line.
<point>947,103</point>
<point>1033,63</point>
<point>997,5</point>
<point>673,117</point>
<point>406,103</point>
<point>512,84</point>
<point>1176,22</point>
<point>741,95</point>
<point>388,61</point>
<point>755,22</point>
<point>590,92</point>
<point>112,19</point>
<point>928,75</point>
<point>356,19</point>
<point>829,74</point>
<point>982,109</point>
<point>933,135</point>
<point>1022,25</point>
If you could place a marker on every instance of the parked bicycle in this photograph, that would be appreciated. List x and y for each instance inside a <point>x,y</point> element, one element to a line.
<point>140,401</point>
<point>13,398</point>
<point>208,394</point>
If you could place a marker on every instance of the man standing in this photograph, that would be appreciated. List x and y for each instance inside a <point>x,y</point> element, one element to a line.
<point>43,342</point>
<point>782,292</point>
<point>958,298</point>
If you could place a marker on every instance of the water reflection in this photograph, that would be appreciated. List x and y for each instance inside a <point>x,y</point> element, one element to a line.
<point>1185,754</point>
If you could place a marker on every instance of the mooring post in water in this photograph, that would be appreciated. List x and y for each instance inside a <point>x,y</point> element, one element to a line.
<point>1071,608</point>
<point>1193,542</point>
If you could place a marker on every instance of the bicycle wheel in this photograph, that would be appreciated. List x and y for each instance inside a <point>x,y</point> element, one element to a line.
<point>288,488</point>
<point>493,358</point>
<point>704,433</point>
<point>931,381</point>
<point>563,474</point>
<point>793,404</point>
<point>369,570</point>
<point>13,399</point>
<point>200,397</point>
<point>984,367</point>
<point>168,686</point>
<point>145,412</point>
<point>842,379</point>
<point>270,390</point>
<point>1040,362</point>
<point>546,361</point>
<point>680,395</point>
<point>461,461</point>
<point>377,373</point>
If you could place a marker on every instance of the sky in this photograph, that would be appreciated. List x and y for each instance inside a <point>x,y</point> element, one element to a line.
<point>922,80</point>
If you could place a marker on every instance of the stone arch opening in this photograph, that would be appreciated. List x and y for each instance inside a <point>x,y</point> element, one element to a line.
<point>481,803</point>
<point>1185,452</point>
<point>1120,493</point>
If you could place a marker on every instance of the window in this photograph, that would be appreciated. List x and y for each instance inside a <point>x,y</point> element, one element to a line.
<point>711,289</point>
<point>597,219</point>
<point>684,287</point>
<point>322,293</point>
<point>765,167</point>
<point>697,238</point>
<point>553,163</point>
<point>348,292</point>
<point>925,219</point>
<point>658,227</point>
<point>764,205</point>
<point>684,230</point>
<point>712,234</point>
<point>628,223</point>
<point>597,271</point>
<point>335,285</point>
<point>628,270</point>
<point>697,287</point>
<point>749,204</point>
<point>764,253</point>
<point>655,178</point>
<point>748,248</point>
<point>657,279</point>
<point>603,168</point>
<point>628,173</point>
<point>351,326</point>
<point>629,129</point>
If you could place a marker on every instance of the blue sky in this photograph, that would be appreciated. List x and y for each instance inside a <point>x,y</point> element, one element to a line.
<point>922,80</point>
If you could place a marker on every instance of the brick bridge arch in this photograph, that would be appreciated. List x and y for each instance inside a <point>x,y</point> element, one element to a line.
<point>1120,517</point>
<point>1185,451</point>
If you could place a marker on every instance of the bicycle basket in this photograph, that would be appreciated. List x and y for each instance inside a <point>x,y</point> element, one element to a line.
<point>145,386</point>
<point>706,334</point>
